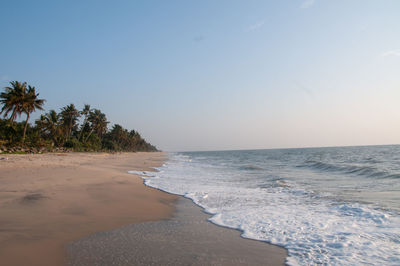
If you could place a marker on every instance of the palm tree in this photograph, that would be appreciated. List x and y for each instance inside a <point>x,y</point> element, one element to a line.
<point>12,99</point>
<point>49,124</point>
<point>69,117</point>
<point>85,112</point>
<point>98,123</point>
<point>30,104</point>
<point>19,99</point>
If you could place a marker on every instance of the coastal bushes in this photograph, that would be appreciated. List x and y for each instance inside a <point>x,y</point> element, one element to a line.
<point>68,129</point>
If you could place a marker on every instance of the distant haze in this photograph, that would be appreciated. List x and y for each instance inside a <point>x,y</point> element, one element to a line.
<point>211,75</point>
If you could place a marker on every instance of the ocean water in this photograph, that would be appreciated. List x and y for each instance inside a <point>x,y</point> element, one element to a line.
<point>330,206</point>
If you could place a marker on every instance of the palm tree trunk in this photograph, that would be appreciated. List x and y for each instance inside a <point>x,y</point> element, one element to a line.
<point>13,115</point>
<point>26,125</point>
<point>70,129</point>
<point>91,131</point>
<point>83,126</point>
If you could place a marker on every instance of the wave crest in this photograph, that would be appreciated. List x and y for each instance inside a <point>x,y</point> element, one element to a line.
<point>366,171</point>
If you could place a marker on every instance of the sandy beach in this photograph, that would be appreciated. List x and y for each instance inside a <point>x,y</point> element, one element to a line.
<point>48,200</point>
<point>85,209</point>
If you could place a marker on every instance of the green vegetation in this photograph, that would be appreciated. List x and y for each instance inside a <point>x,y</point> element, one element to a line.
<point>59,131</point>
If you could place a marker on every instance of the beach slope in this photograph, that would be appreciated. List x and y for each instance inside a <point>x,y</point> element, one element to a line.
<point>48,200</point>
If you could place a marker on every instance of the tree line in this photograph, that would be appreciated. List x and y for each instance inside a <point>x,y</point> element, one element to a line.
<point>80,130</point>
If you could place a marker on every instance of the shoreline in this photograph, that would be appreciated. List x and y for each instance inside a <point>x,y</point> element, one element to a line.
<point>202,209</point>
<point>279,253</point>
<point>48,200</point>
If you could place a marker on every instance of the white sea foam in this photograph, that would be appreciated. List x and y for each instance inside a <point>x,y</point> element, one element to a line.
<point>315,229</point>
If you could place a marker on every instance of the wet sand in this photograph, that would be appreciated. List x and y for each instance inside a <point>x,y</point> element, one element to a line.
<point>49,200</point>
<point>186,239</point>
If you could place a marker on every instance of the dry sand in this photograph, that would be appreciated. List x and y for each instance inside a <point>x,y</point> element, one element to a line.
<point>49,200</point>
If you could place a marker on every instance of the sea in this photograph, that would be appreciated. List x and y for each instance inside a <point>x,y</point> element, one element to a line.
<point>329,206</point>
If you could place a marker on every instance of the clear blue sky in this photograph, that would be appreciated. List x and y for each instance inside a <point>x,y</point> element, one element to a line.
<point>209,75</point>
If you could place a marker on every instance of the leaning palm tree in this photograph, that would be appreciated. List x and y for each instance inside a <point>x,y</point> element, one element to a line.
<point>30,103</point>
<point>69,116</point>
<point>12,99</point>
<point>98,123</point>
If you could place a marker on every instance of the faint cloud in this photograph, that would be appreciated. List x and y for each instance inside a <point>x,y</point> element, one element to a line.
<point>3,78</point>
<point>391,53</point>
<point>305,90</point>
<point>307,3</point>
<point>364,28</point>
<point>255,26</point>
<point>199,38</point>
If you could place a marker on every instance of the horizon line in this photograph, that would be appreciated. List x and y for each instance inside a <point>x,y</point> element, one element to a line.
<point>289,148</point>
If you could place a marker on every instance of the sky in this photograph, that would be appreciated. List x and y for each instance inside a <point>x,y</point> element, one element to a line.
<point>215,75</point>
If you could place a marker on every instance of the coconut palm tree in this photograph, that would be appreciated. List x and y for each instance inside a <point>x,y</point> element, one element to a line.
<point>98,123</point>
<point>12,99</point>
<point>30,103</point>
<point>50,125</point>
<point>85,112</point>
<point>19,99</point>
<point>69,116</point>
